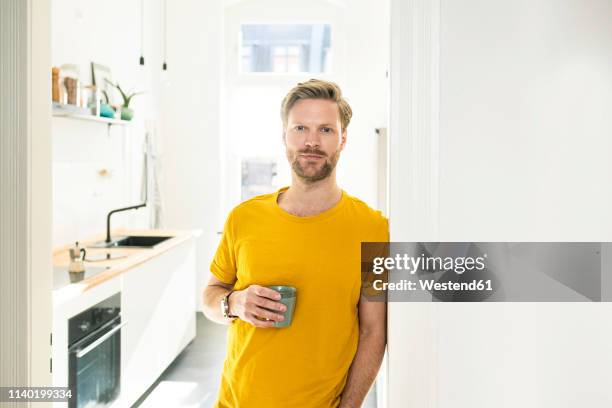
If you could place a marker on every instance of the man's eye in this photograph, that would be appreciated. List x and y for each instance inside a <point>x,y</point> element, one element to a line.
<point>299,128</point>
<point>326,130</point>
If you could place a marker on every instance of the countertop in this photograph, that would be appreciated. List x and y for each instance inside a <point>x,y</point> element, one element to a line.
<point>100,270</point>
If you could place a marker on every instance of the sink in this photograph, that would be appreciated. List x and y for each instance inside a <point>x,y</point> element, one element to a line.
<point>139,241</point>
<point>134,241</point>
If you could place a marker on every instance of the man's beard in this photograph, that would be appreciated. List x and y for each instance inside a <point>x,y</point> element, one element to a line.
<point>322,173</point>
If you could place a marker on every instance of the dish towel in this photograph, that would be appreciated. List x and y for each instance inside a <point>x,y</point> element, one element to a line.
<point>152,168</point>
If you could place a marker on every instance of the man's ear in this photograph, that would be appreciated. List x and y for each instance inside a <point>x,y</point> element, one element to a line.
<point>284,136</point>
<point>343,142</point>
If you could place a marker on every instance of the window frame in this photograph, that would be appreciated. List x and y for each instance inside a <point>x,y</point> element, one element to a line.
<point>288,75</point>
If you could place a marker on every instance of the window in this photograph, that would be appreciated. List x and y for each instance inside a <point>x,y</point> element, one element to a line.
<point>286,58</point>
<point>246,56</point>
<point>258,177</point>
<point>285,48</point>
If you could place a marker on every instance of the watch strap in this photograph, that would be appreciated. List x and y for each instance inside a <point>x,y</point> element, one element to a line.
<point>225,306</point>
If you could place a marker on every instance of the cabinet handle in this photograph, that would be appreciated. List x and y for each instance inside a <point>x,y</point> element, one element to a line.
<point>80,353</point>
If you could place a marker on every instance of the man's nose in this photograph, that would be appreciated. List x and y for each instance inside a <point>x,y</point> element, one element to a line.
<point>312,140</point>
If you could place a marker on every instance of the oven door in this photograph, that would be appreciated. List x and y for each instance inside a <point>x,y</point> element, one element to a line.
<point>94,371</point>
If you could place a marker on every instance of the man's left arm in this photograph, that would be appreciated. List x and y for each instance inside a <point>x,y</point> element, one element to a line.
<point>370,351</point>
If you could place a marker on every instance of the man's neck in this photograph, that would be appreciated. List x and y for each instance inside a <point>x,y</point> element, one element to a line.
<point>305,199</point>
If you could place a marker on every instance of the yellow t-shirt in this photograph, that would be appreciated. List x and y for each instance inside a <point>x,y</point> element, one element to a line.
<point>306,364</point>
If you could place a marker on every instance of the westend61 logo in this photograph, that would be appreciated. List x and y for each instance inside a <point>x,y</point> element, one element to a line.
<point>487,271</point>
<point>428,264</point>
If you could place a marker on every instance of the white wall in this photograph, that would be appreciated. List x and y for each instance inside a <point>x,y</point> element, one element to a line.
<point>524,147</point>
<point>367,88</point>
<point>108,34</point>
<point>525,124</point>
<point>191,111</point>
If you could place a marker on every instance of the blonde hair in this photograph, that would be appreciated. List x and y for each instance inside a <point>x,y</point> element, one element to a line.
<point>317,89</point>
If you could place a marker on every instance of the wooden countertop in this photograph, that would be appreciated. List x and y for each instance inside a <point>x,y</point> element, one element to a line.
<point>122,259</point>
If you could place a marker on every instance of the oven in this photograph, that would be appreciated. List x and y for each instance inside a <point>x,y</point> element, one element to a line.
<point>94,354</point>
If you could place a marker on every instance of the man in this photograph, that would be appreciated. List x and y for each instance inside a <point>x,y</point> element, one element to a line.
<point>307,236</point>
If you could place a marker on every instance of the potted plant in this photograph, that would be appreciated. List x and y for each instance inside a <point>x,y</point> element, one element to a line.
<point>126,112</point>
<point>105,109</point>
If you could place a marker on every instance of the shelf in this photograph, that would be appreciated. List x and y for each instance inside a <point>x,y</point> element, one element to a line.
<point>63,113</point>
<point>92,118</point>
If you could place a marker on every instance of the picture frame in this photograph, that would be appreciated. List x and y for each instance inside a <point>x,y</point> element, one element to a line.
<point>100,74</point>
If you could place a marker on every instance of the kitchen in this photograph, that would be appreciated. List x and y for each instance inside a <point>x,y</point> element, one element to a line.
<point>472,122</point>
<point>166,172</point>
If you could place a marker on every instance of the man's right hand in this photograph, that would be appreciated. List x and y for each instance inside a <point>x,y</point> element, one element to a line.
<point>255,303</point>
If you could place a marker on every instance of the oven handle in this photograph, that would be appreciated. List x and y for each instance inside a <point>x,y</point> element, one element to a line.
<point>80,353</point>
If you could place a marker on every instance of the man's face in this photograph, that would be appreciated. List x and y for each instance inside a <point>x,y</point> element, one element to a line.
<point>314,138</point>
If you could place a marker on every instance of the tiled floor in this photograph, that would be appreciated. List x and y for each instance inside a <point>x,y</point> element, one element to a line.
<point>192,380</point>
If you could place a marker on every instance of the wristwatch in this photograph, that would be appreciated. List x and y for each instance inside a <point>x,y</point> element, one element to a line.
<point>225,306</point>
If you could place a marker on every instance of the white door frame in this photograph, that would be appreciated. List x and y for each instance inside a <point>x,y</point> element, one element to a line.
<point>413,191</point>
<point>26,190</point>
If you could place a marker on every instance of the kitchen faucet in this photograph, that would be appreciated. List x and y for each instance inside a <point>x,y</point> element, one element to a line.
<point>145,185</point>
<point>108,218</point>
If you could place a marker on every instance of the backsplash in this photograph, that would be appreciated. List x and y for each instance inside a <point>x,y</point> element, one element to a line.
<point>95,169</point>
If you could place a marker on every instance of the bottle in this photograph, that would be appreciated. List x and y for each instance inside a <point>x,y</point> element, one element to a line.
<point>55,86</point>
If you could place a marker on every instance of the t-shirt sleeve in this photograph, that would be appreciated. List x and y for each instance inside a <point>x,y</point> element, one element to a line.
<point>223,265</point>
<point>377,248</point>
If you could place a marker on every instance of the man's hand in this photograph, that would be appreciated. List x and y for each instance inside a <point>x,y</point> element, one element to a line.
<point>255,303</point>
<point>250,304</point>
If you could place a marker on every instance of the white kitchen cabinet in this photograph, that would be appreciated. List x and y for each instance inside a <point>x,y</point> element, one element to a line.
<point>158,303</point>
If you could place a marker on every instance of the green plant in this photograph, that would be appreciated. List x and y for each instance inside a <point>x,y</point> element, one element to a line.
<point>127,97</point>
<point>105,97</point>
